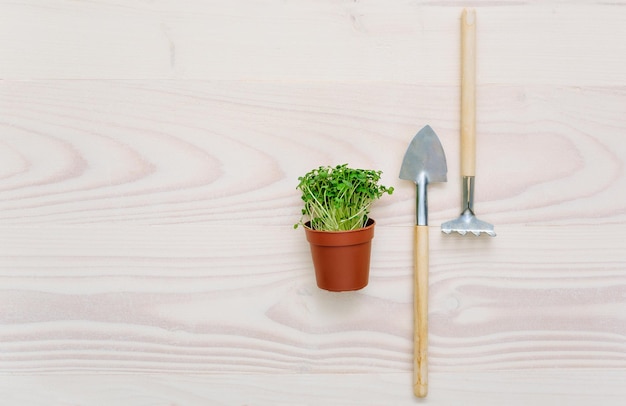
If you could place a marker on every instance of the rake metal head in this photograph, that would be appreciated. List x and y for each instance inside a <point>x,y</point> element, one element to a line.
<point>467,222</point>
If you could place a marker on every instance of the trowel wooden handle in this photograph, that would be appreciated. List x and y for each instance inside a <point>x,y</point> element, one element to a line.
<point>468,92</point>
<point>420,313</point>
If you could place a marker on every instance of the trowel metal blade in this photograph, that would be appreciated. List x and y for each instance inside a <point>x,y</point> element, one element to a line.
<point>424,158</point>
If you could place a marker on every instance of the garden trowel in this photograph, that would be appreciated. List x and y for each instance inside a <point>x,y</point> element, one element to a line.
<point>424,162</point>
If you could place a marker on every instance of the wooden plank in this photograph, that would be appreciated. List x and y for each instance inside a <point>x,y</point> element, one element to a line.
<point>219,299</point>
<point>533,43</point>
<point>541,388</point>
<point>161,152</point>
<point>131,268</point>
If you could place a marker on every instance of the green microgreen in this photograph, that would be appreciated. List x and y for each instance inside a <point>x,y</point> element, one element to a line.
<point>339,198</point>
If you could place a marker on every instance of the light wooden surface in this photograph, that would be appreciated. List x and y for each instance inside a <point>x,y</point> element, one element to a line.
<point>144,146</point>
<point>563,43</point>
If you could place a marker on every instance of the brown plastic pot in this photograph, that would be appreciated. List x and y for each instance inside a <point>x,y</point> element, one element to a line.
<point>341,258</point>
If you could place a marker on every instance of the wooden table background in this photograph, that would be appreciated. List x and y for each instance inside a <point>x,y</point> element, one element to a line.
<point>149,153</point>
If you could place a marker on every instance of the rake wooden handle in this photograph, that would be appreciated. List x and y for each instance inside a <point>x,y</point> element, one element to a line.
<point>420,313</point>
<point>468,92</point>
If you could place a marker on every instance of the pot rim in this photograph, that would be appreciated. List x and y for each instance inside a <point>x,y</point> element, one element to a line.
<point>339,238</point>
<point>369,224</point>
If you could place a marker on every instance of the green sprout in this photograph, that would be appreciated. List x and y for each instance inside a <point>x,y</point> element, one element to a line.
<point>339,198</point>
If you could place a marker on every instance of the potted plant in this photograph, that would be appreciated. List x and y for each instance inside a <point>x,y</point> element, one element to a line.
<point>337,204</point>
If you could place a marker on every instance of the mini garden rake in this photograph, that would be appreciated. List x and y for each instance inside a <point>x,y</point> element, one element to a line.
<point>467,221</point>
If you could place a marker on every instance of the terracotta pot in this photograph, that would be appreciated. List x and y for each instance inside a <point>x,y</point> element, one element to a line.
<point>341,258</point>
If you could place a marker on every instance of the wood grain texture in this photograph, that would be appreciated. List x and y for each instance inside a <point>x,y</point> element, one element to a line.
<point>346,41</point>
<point>576,388</point>
<point>156,153</point>
<point>144,146</point>
<point>181,300</point>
